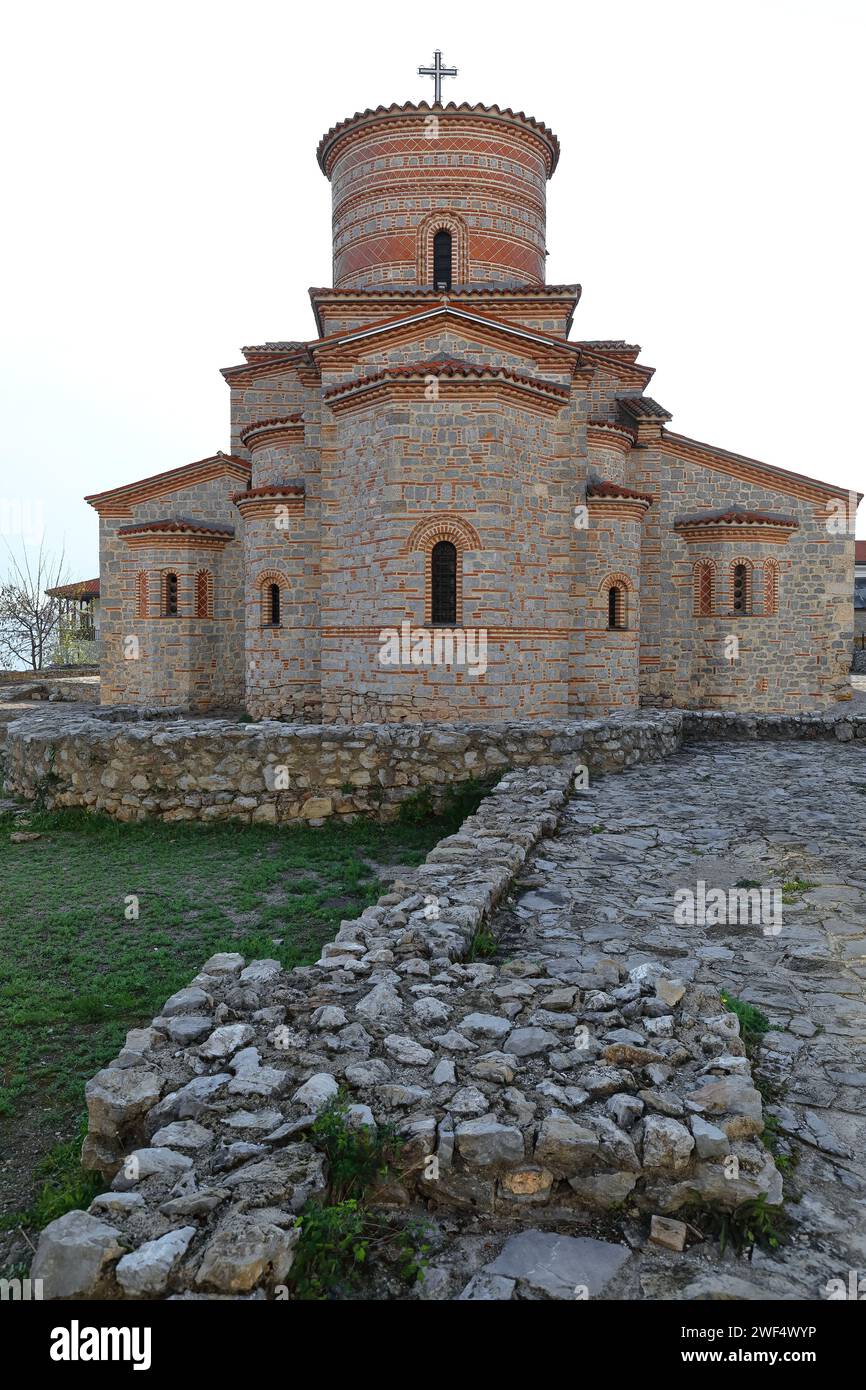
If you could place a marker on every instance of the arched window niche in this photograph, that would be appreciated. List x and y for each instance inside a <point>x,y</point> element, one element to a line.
<point>443,583</point>
<point>615,591</point>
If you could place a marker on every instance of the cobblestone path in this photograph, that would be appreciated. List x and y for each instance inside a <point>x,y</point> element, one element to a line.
<point>775,816</point>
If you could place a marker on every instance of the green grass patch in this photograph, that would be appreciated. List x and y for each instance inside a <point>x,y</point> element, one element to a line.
<point>78,967</point>
<point>753,1023</point>
<point>793,887</point>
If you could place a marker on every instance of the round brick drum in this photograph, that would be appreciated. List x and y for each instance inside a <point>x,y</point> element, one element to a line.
<point>399,175</point>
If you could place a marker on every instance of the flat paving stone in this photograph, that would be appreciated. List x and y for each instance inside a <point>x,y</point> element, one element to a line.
<point>785,817</point>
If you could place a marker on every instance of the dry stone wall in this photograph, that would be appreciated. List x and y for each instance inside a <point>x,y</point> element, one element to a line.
<point>133,767</point>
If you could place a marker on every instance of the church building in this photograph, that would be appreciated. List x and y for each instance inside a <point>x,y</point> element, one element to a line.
<point>443,506</point>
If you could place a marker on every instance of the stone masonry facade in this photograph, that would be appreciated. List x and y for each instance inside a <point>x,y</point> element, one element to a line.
<point>442,416</point>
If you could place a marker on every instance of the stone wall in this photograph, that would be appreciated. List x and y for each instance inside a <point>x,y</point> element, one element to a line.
<point>132,767</point>
<point>135,763</point>
<point>189,659</point>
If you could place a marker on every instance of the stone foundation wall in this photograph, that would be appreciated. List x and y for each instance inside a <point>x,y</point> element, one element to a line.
<point>185,769</point>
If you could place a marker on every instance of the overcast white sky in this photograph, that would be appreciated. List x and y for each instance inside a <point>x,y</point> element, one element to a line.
<point>163,206</point>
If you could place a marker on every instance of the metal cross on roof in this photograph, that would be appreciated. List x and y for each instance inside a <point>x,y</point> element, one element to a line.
<point>437,72</point>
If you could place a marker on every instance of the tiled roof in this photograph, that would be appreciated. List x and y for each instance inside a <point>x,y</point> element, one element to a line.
<point>608,489</point>
<point>616,347</point>
<point>84,588</point>
<point>737,516</point>
<point>287,489</point>
<point>181,524</point>
<point>278,346</point>
<point>409,108</point>
<point>296,419</point>
<point>218,461</point>
<point>447,367</point>
<point>643,408</point>
<point>382,291</point>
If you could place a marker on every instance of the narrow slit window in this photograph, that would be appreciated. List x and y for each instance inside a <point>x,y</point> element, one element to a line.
<point>616,606</point>
<point>272,605</point>
<point>442,260</point>
<point>443,583</point>
<point>169,606</point>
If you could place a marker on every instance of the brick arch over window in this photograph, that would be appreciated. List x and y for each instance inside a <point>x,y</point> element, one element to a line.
<point>426,536</point>
<point>615,589</point>
<point>771,587</point>
<point>141,594</point>
<point>204,594</point>
<point>443,221</point>
<point>704,588</point>
<point>740,584</point>
<point>265,583</point>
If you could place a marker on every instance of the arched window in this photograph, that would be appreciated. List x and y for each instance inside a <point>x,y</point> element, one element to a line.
<point>442,259</point>
<point>141,594</point>
<point>443,583</point>
<point>616,606</point>
<point>741,586</point>
<point>704,588</point>
<point>204,594</point>
<point>271,605</point>
<point>169,595</point>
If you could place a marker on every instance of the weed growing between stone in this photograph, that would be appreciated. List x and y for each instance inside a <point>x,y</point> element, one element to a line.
<point>483,944</point>
<point>343,1244</point>
<point>455,801</point>
<point>753,1223</point>
<point>753,1023</point>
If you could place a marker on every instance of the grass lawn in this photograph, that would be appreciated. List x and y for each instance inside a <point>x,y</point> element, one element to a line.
<point>76,972</point>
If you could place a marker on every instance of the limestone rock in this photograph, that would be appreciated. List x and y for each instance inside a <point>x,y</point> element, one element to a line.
<point>485,1026</point>
<point>249,1251</point>
<point>383,1001</point>
<point>117,1099</point>
<point>147,1269</point>
<point>529,1042</point>
<point>485,1143</point>
<point>666,1143</point>
<point>547,1265</point>
<point>74,1256</point>
<point>564,1146</point>
<point>227,1039</point>
<point>404,1049</point>
<point>316,1092</point>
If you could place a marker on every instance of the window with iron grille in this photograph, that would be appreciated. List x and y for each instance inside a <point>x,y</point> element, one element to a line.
<point>443,583</point>
<point>169,595</point>
<point>741,588</point>
<point>616,612</point>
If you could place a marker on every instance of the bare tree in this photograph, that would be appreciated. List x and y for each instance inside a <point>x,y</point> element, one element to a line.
<point>29,619</point>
